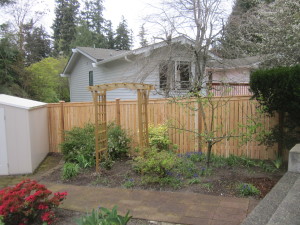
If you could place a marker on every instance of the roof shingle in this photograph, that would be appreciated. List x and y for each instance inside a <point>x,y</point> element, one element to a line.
<point>100,53</point>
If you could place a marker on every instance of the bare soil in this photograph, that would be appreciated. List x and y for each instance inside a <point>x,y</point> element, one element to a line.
<point>220,181</point>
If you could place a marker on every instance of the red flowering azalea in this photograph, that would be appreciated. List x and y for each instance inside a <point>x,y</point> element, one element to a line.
<point>28,202</point>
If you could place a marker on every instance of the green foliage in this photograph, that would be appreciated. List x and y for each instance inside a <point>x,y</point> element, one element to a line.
<point>79,145</point>
<point>164,168</point>
<point>156,163</point>
<point>118,142</point>
<point>246,189</point>
<point>159,137</point>
<point>12,72</point>
<point>194,180</point>
<point>64,25</point>
<point>70,170</point>
<point>278,90</point>
<point>207,186</point>
<point>104,216</point>
<point>123,39</point>
<point>107,163</point>
<point>174,182</point>
<point>128,183</point>
<point>46,84</point>
<point>274,88</point>
<point>277,162</point>
<point>37,43</point>
<point>1,220</point>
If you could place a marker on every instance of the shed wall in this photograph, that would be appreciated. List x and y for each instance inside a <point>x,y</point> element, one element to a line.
<point>18,140</point>
<point>39,138</point>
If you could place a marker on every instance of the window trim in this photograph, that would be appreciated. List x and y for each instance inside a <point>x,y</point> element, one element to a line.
<point>91,78</point>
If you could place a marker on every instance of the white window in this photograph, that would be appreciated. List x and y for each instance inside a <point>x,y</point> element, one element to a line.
<point>178,71</point>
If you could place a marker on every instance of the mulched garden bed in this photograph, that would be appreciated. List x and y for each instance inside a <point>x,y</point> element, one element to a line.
<point>219,181</point>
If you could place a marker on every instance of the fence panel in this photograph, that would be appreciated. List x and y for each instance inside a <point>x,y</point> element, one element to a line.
<point>184,120</point>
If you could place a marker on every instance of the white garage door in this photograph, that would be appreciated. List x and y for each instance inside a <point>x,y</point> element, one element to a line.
<point>3,149</point>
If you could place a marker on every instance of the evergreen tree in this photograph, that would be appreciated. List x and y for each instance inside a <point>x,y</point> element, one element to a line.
<point>11,68</point>
<point>93,15</point>
<point>123,38</point>
<point>37,43</point>
<point>90,31</point>
<point>109,35</point>
<point>142,35</point>
<point>64,26</point>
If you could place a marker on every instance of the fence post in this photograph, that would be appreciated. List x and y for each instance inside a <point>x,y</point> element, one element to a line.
<point>199,127</point>
<point>118,112</point>
<point>62,121</point>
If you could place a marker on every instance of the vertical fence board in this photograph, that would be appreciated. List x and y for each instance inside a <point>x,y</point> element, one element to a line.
<point>231,112</point>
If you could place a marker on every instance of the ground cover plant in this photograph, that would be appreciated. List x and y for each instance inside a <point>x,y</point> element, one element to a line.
<point>162,168</point>
<point>28,202</point>
<point>170,171</point>
<point>104,216</point>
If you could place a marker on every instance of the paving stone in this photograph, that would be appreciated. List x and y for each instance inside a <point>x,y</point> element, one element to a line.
<point>222,222</point>
<point>229,214</point>
<point>167,207</point>
<point>235,203</point>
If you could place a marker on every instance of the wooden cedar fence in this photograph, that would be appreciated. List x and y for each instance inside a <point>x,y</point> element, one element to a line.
<point>232,112</point>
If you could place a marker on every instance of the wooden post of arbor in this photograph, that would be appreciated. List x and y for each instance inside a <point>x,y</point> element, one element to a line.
<point>62,121</point>
<point>99,98</point>
<point>118,112</point>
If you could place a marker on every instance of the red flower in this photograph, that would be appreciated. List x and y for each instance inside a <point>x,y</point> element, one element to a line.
<point>28,201</point>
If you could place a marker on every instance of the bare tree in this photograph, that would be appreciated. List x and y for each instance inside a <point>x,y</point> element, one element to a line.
<point>22,12</point>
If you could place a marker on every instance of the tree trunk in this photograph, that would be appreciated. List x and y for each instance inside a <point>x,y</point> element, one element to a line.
<point>209,148</point>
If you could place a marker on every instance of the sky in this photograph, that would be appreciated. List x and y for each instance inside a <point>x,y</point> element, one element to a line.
<point>134,12</point>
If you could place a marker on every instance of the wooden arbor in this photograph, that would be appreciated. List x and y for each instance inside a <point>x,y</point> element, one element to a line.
<point>99,98</point>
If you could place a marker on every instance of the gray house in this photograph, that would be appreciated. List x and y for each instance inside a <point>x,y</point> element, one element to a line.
<point>162,64</point>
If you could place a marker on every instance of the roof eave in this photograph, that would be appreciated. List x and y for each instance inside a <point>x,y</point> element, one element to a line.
<point>142,50</point>
<point>72,61</point>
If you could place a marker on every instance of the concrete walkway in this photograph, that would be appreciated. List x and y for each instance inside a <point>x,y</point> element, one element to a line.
<point>173,207</point>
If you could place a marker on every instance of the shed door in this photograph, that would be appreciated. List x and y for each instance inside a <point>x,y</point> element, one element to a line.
<point>3,148</point>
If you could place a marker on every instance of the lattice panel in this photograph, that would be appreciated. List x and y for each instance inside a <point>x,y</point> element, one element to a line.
<point>143,96</point>
<point>99,97</point>
<point>100,126</point>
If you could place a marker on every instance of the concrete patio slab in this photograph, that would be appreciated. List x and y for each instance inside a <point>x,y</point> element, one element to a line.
<point>173,207</point>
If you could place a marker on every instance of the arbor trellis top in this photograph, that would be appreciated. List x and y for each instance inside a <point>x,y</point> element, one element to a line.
<point>99,98</point>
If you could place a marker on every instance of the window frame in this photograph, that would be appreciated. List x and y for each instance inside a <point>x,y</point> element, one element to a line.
<point>91,78</point>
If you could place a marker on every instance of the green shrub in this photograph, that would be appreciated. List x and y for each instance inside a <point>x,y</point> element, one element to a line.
<point>165,168</point>
<point>79,145</point>
<point>70,170</point>
<point>104,216</point>
<point>118,141</point>
<point>107,163</point>
<point>246,189</point>
<point>156,163</point>
<point>159,137</point>
<point>128,183</point>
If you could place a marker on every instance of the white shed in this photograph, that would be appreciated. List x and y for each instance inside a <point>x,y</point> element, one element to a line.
<point>23,134</point>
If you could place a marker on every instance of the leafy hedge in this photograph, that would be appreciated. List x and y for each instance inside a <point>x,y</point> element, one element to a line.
<point>278,90</point>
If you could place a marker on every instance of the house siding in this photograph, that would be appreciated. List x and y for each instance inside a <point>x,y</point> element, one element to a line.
<point>79,80</point>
